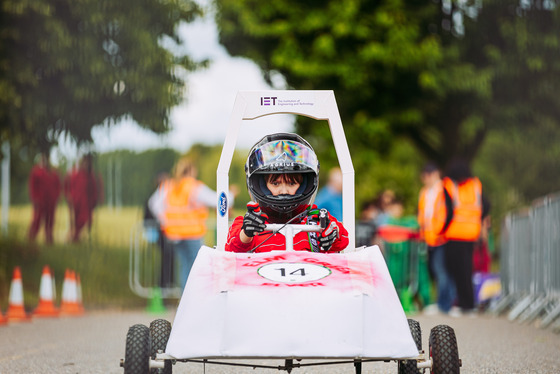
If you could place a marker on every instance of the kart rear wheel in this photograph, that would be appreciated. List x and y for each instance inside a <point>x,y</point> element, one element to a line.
<point>443,351</point>
<point>137,354</point>
<point>409,366</point>
<point>160,330</point>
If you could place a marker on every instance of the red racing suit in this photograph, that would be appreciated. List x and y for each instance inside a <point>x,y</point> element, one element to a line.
<point>302,240</point>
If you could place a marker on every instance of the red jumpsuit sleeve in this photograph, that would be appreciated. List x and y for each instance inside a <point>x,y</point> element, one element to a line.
<point>233,243</point>
<point>342,242</point>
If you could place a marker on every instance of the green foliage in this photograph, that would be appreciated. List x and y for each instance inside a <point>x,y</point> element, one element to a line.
<point>391,72</point>
<point>207,159</point>
<point>69,65</point>
<point>403,69</point>
<point>517,45</point>
<point>103,272</point>
<point>101,258</point>
<point>529,158</point>
<point>138,173</point>
<point>476,80</point>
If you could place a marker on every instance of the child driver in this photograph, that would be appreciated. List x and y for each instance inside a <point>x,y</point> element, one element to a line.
<point>282,178</point>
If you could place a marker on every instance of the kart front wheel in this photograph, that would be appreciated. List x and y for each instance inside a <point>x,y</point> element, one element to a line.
<point>443,351</point>
<point>409,366</point>
<point>137,353</point>
<point>160,330</point>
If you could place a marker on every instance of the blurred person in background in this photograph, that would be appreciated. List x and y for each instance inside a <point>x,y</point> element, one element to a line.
<point>466,209</point>
<point>85,192</point>
<point>154,234</point>
<point>431,219</point>
<point>481,255</point>
<point>406,257</point>
<point>181,206</point>
<point>66,188</point>
<point>395,211</point>
<point>330,196</point>
<point>44,190</point>
<point>366,230</point>
<point>384,201</point>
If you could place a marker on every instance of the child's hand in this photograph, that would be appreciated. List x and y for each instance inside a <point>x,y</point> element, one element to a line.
<point>254,220</point>
<point>328,236</point>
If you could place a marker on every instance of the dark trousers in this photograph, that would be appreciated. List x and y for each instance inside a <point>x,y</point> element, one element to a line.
<point>458,260</point>
<point>42,213</point>
<point>167,279</point>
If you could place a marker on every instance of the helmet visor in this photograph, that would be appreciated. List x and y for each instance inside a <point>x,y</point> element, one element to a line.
<point>283,155</point>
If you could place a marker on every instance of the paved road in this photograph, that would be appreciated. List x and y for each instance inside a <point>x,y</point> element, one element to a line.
<point>95,343</point>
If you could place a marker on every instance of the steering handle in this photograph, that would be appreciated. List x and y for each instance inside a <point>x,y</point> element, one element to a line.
<point>275,227</point>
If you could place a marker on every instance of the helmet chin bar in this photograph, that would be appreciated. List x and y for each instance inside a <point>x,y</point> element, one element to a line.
<point>282,203</point>
<point>285,197</point>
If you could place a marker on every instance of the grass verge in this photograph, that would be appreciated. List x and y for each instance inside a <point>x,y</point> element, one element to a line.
<point>101,258</point>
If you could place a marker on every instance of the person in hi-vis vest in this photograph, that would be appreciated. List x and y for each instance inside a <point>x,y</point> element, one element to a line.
<point>466,207</point>
<point>431,219</point>
<point>181,206</point>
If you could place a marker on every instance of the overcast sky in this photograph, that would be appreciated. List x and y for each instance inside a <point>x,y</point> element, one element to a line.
<point>204,116</point>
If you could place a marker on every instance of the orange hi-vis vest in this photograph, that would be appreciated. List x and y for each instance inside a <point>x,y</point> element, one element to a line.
<point>183,218</point>
<point>467,209</point>
<point>432,219</point>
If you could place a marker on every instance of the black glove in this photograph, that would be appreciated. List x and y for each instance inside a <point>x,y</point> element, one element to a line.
<point>330,231</point>
<point>328,236</point>
<point>254,220</point>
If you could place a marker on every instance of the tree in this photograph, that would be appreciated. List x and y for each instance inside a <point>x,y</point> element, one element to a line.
<point>439,75</point>
<point>68,65</point>
<point>383,60</point>
<point>139,172</point>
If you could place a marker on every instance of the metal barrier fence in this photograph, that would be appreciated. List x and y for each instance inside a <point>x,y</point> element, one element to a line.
<point>530,264</point>
<point>152,263</point>
<point>145,262</point>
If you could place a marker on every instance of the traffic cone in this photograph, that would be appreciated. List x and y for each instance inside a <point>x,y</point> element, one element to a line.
<point>79,288</point>
<point>155,303</point>
<point>16,311</point>
<point>46,306</point>
<point>3,320</point>
<point>69,305</point>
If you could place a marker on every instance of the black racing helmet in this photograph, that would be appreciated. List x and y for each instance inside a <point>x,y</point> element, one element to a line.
<point>282,153</point>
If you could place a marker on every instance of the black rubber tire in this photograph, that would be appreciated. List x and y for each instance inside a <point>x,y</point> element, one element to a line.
<point>357,367</point>
<point>444,351</point>
<point>409,366</point>
<point>160,330</point>
<point>137,353</point>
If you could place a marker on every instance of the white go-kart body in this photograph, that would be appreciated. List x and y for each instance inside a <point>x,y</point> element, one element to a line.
<point>289,304</point>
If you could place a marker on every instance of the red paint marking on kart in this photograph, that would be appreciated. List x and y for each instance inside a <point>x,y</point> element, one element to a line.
<point>345,274</point>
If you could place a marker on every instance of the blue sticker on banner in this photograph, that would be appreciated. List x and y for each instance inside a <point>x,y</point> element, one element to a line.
<point>222,204</point>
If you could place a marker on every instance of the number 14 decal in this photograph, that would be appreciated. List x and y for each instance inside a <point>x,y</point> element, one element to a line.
<point>293,272</point>
<point>301,272</point>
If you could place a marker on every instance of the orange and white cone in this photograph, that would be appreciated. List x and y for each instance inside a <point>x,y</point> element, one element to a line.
<point>46,306</point>
<point>3,320</point>
<point>16,311</point>
<point>69,305</point>
<point>79,287</point>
